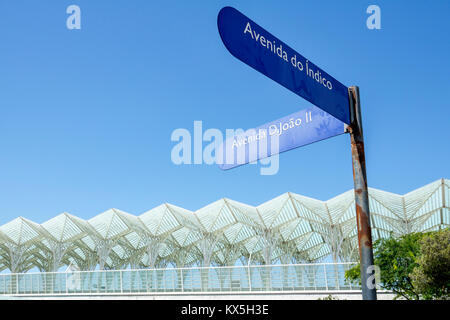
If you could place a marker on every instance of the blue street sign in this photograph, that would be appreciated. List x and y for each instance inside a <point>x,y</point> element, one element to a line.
<point>293,131</point>
<point>258,48</point>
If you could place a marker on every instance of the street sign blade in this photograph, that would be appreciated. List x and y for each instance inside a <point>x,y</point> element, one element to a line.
<point>258,48</point>
<point>295,130</point>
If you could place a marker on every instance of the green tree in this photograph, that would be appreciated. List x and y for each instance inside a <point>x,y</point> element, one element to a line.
<point>431,277</point>
<point>396,258</point>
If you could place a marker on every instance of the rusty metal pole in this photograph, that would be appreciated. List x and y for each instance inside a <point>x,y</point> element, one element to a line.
<point>361,198</point>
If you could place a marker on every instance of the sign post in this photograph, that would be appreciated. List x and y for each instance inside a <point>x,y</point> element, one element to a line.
<point>361,197</point>
<point>261,50</point>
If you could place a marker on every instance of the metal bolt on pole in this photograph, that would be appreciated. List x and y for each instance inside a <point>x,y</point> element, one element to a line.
<point>361,197</point>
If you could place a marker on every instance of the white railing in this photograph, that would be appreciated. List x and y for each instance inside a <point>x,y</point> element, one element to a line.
<point>273,278</point>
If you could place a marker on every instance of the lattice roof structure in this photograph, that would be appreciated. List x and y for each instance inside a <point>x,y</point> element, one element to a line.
<point>290,228</point>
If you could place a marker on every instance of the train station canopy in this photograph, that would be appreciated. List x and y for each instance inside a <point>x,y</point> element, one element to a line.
<point>290,228</point>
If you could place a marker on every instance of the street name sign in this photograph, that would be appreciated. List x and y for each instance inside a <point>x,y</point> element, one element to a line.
<point>258,48</point>
<point>290,132</point>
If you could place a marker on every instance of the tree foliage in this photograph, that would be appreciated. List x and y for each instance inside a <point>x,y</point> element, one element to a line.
<point>397,258</point>
<point>431,277</point>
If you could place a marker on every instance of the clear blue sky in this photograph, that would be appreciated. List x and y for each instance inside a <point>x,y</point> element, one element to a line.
<point>86,115</point>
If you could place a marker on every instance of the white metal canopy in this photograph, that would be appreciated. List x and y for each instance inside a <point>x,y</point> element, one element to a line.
<point>290,228</point>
